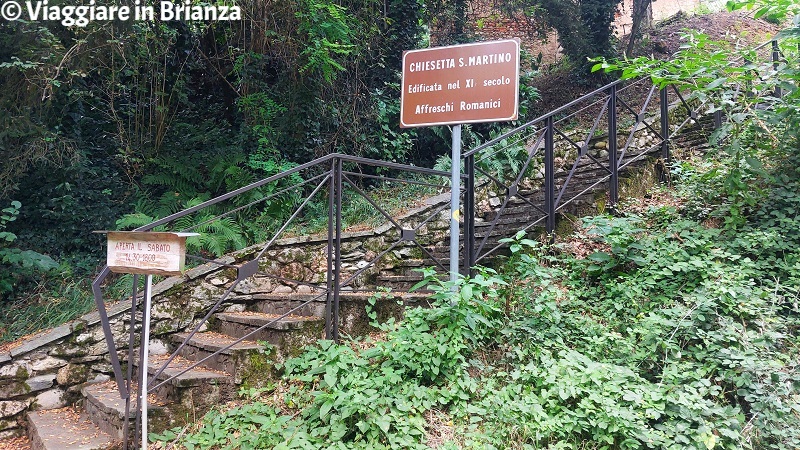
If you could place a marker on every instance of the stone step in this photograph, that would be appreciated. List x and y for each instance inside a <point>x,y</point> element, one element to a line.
<point>410,263</point>
<point>314,304</point>
<point>510,218</point>
<point>404,282</point>
<point>299,304</point>
<point>270,328</point>
<point>218,351</point>
<point>66,429</point>
<point>287,335</point>
<point>195,390</point>
<point>103,406</point>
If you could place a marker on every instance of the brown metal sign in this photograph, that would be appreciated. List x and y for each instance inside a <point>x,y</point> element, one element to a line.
<point>465,83</point>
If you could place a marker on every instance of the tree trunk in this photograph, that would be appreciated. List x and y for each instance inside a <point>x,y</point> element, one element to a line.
<point>642,18</point>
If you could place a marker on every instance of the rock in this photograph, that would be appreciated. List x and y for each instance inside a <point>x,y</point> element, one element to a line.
<point>72,374</point>
<point>10,408</point>
<point>235,308</point>
<point>8,423</point>
<point>102,367</point>
<point>100,378</point>
<point>304,289</point>
<point>16,388</point>
<point>494,202</point>
<point>295,271</point>
<point>47,363</point>
<point>41,383</point>
<point>86,359</point>
<point>353,255</point>
<point>11,433</point>
<point>282,289</point>
<point>253,285</point>
<point>99,348</point>
<point>168,284</point>
<point>403,252</point>
<point>215,281</point>
<point>68,350</point>
<point>12,389</point>
<point>84,338</point>
<point>601,145</point>
<point>51,399</point>
<point>157,347</point>
<point>16,370</point>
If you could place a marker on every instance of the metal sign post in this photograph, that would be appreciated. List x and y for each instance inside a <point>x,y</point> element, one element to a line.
<point>467,83</point>
<point>146,253</point>
<point>148,289</point>
<point>455,190</point>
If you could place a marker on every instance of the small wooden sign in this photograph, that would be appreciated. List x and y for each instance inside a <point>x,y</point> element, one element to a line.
<point>146,252</point>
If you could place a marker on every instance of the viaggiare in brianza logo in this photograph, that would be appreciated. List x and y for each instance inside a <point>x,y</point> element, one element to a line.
<point>82,14</point>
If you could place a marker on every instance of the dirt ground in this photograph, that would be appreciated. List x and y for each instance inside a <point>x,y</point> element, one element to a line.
<point>558,86</point>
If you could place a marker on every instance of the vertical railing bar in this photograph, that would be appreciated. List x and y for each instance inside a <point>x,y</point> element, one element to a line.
<point>666,157</point>
<point>549,178</point>
<point>469,214</point>
<point>329,274</point>
<point>776,56</point>
<point>129,375</point>
<point>337,250</point>
<point>613,190</point>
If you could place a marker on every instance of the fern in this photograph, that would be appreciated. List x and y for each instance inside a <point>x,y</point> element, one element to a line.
<point>217,237</point>
<point>135,220</point>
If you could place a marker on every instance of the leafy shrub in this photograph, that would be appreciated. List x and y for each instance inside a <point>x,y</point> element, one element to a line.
<point>18,265</point>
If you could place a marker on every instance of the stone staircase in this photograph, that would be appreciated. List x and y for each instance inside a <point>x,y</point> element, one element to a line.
<point>184,395</point>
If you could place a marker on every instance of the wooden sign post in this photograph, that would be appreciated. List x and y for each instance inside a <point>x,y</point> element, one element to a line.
<point>146,253</point>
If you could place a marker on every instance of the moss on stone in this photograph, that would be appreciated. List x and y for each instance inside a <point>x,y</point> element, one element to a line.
<point>259,369</point>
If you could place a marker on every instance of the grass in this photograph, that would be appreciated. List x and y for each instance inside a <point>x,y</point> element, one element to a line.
<point>53,302</point>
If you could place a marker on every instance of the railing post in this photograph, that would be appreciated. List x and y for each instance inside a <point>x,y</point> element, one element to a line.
<point>549,178</point>
<point>776,57</point>
<point>329,275</point>
<point>337,272</point>
<point>613,190</point>
<point>666,156</point>
<point>469,215</point>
